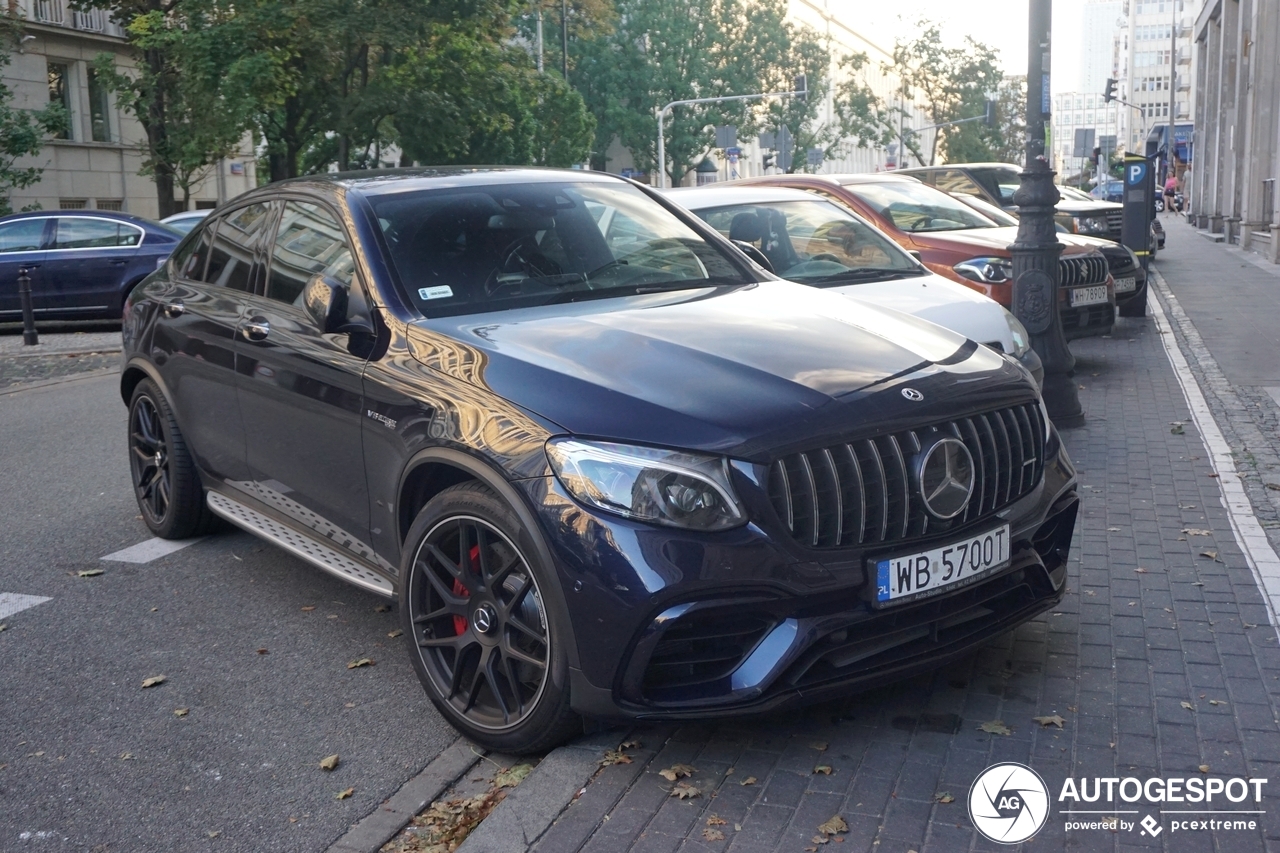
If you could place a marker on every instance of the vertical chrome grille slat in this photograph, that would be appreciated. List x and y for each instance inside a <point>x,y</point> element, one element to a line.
<point>839,496</point>
<point>862,492</point>
<point>902,484</point>
<point>807,470</point>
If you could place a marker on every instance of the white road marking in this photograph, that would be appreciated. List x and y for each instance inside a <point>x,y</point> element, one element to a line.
<point>13,602</point>
<point>152,549</point>
<point>1258,553</point>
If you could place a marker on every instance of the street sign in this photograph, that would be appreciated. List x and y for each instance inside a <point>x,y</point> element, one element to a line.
<point>726,136</point>
<point>1083,146</point>
<point>768,140</point>
<point>1107,143</point>
<point>815,156</point>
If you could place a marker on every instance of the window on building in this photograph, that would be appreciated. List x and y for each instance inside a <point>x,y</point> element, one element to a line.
<point>72,203</point>
<point>99,108</point>
<point>109,204</point>
<point>60,92</point>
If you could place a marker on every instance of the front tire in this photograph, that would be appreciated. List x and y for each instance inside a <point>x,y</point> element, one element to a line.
<point>165,481</point>
<point>474,598</point>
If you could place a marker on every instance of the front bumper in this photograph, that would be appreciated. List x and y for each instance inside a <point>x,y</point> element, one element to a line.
<point>1138,294</point>
<point>674,624</point>
<point>1089,320</point>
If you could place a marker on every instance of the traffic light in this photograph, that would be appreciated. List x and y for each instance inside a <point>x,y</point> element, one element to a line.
<point>989,117</point>
<point>1097,155</point>
<point>770,160</point>
<point>800,85</point>
<point>1111,94</point>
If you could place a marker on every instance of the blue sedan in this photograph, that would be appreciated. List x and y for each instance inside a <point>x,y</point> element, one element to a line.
<point>82,263</point>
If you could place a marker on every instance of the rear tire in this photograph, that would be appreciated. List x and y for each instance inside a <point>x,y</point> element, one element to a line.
<point>165,481</point>
<point>475,598</point>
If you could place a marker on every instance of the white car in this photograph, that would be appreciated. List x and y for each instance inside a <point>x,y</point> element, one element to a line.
<point>809,240</point>
<point>186,220</point>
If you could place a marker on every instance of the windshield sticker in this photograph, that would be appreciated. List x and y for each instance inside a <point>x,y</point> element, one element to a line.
<point>444,291</point>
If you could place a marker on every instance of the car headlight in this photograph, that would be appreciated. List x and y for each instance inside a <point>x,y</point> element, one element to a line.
<point>1089,224</point>
<point>648,484</point>
<point>986,270</point>
<point>1021,338</point>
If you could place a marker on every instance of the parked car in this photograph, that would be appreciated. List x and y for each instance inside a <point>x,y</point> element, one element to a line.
<point>809,240</point>
<point>1127,274</point>
<point>997,182</point>
<point>956,241</point>
<point>186,220</point>
<point>1109,190</point>
<point>608,466</point>
<point>82,264</point>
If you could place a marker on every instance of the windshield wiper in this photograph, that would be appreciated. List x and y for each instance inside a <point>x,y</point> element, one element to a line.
<point>866,274</point>
<point>636,290</point>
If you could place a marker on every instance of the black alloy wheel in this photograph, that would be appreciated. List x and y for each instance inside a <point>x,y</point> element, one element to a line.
<point>484,644</point>
<point>164,476</point>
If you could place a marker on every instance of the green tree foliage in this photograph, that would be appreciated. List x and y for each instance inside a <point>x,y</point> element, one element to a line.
<point>864,120</point>
<point>669,50</point>
<point>22,132</point>
<point>1010,142</point>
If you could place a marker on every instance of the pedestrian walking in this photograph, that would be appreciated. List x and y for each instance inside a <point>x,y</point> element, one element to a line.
<point>1170,190</point>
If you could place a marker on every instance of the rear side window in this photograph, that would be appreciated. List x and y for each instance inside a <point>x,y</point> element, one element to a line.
<point>234,243</point>
<point>80,232</point>
<point>955,181</point>
<point>23,235</point>
<point>189,261</point>
<point>309,243</point>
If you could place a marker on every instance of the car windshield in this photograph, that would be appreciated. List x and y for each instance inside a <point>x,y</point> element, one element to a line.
<point>813,242</point>
<point>997,215</point>
<point>492,248</point>
<point>916,207</point>
<point>1072,192</point>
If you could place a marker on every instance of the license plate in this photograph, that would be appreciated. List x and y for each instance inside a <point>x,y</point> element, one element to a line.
<point>1088,295</point>
<point>925,573</point>
<point>1127,284</point>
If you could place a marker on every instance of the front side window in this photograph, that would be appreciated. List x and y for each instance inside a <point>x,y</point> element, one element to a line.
<point>79,232</point>
<point>492,248</point>
<point>955,181</point>
<point>23,235</point>
<point>918,208</point>
<point>812,242</point>
<point>309,242</point>
<point>234,243</point>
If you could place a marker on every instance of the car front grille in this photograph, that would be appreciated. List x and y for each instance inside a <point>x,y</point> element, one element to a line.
<point>865,491</point>
<point>1082,269</point>
<point>1115,222</point>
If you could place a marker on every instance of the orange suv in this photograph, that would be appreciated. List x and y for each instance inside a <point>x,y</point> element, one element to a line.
<point>955,240</point>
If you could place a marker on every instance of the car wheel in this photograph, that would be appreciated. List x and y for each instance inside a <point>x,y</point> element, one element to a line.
<point>165,480</point>
<point>474,598</point>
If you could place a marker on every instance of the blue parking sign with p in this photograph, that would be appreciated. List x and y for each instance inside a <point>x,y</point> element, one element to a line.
<point>1135,173</point>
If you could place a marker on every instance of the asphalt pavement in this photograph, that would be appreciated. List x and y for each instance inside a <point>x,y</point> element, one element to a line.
<point>253,643</point>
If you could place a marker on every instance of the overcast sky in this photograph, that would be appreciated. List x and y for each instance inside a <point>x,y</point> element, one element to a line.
<point>999,23</point>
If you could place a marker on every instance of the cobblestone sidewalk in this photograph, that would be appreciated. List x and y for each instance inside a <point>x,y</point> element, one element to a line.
<point>1160,661</point>
<point>59,354</point>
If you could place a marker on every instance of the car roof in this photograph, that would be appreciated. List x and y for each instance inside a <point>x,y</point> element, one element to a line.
<point>140,221</point>
<point>698,198</point>
<point>375,182</point>
<point>964,166</point>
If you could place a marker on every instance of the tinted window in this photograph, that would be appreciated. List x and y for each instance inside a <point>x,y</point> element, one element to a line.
<point>490,248</point>
<point>24,235</point>
<point>810,241</point>
<point>915,207</point>
<point>1001,183</point>
<point>955,181</point>
<point>79,232</point>
<point>234,243</point>
<point>189,261</point>
<point>309,243</point>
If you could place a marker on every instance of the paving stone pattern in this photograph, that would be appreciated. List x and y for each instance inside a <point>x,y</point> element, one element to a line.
<point>1148,623</point>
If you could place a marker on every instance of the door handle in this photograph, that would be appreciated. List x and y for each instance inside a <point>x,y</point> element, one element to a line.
<point>256,329</point>
<point>174,308</point>
<point>118,262</point>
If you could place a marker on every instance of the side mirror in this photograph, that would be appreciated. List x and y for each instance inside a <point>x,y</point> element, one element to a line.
<point>754,254</point>
<point>915,253</point>
<point>329,303</point>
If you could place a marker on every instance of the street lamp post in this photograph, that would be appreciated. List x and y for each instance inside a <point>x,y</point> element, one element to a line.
<point>1036,251</point>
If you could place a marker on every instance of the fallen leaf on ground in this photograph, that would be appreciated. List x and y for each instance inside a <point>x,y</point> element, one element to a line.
<point>685,791</point>
<point>181,712</point>
<point>750,780</point>
<point>512,776</point>
<point>308,608</point>
<point>1188,706</point>
<point>1113,529</point>
<point>818,839</point>
<point>382,608</point>
<point>343,794</point>
<point>1216,702</point>
<point>329,762</point>
<point>214,834</point>
<point>1177,429</point>
<point>263,652</point>
<point>634,744</point>
<point>1053,720</point>
<point>614,756</point>
<point>3,627</point>
<point>1197,531</point>
<point>396,633</point>
<point>1275,487</point>
<point>89,573</point>
<point>676,771</point>
<point>128,756</point>
<point>834,825</point>
<point>153,681</point>
<point>1212,555</point>
<point>716,820</point>
<point>1213,476</point>
<point>945,797</point>
<point>1203,768</point>
<point>822,769</point>
<point>1248,625</point>
<point>1140,570</point>
<point>712,834</point>
<point>355,664</point>
<point>820,745</point>
<point>995,727</point>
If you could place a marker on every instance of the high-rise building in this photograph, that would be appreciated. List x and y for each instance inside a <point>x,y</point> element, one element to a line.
<point>1150,64</point>
<point>1097,57</point>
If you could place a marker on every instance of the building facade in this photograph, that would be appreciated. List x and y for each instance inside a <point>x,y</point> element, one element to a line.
<point>1154,64</point>
<point>1086,110</point>
<point>96,162</point>
<point>1237,123</point>
<point>1101,21</point>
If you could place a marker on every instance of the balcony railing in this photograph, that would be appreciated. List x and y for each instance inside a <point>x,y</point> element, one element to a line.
<point>56,13</point>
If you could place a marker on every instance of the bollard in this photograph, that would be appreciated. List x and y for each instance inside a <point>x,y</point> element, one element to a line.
<point>29,336</point>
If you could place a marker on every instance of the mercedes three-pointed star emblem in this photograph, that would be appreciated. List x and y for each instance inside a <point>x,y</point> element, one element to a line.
<point>946,477</point>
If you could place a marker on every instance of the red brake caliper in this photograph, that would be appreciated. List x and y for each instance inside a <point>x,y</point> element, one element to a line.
<point>460,622</point>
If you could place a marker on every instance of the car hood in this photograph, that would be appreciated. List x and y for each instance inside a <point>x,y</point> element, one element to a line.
<point>994,241</point>
<point>939,300</point>
<point>1076,207</point>
<point>735,370</point>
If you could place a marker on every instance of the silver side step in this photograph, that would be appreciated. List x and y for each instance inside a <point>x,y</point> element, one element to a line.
<point>299,544</point>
